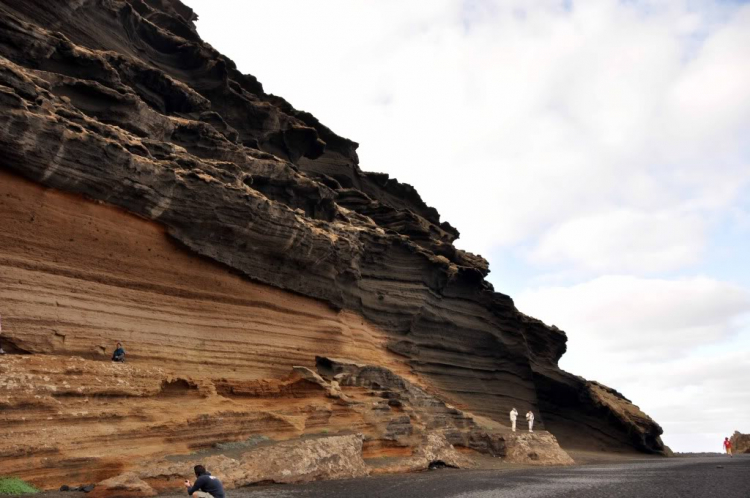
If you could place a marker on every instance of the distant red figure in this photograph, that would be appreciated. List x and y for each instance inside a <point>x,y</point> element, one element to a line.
<point>728,446</point>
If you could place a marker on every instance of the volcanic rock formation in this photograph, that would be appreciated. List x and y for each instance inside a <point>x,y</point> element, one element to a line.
<point>152,193</point>
<point>740,442</point>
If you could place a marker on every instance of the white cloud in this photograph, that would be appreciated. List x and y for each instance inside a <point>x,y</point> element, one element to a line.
<point>679,349</point>
<point>637,319</point>
<point>624,241</point>
<point>697,399</point>
<point>710,97</point>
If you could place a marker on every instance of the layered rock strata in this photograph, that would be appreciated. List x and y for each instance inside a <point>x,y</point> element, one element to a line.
<point>153,194</point>
<point>312,459</point>
<point>145,422</point>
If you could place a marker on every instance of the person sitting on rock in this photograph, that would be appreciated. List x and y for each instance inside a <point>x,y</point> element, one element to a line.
<point>513,417</point>
<point>530,419</point>
<point>119,354</point>
<point>206,485</point>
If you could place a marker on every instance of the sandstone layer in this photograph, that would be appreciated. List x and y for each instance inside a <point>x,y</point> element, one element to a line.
<point>151,193</point>
<point>344,420</point>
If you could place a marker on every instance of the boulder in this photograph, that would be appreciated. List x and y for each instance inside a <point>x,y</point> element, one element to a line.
<point>294,461</point>
<point>537,448</point>
<point>127,485</point>
<point>334,457</point>
<point>740,442</point>
<point>435,448</point>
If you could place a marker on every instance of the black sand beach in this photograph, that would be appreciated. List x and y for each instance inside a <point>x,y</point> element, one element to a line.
<point>657,478</point>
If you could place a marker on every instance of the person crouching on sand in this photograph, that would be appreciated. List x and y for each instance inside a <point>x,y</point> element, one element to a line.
<point>206,485</point>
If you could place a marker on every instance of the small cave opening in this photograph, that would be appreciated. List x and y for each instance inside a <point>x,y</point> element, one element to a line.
<point>324,366</point>
<point>439,464</point>
<point>177,387</point>
<point>10,346</point>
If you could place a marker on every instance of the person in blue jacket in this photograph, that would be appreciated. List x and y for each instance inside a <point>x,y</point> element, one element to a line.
<point>119,354</point>
<point>206,485</point>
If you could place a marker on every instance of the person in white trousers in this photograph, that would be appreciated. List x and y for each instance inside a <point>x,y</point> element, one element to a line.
<point>530,419</point>
<point>513,417</point>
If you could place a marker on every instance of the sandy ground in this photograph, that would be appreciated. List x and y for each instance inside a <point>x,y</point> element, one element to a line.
<point>596,474</point>
<point>651,478</point>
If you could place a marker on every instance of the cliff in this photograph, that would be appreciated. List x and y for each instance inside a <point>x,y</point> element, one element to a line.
<point>152,194</point>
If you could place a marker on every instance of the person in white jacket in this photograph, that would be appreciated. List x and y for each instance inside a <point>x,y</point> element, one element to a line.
<point>530,419</point>
<point>513,417</point>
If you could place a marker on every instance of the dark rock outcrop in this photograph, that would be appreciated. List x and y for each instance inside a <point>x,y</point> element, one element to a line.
<point>121,102</point>
<point>740,442</point>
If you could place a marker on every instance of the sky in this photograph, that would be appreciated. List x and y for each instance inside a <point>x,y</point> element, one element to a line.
<point>596,152</point>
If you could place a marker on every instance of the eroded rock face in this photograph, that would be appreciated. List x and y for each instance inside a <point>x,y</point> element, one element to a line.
<point>103,123</point>
<point>589,415</point>
<point>332,457</point>
<point>434,451</point>
<point>128,418</point>
<point>227,237</point>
